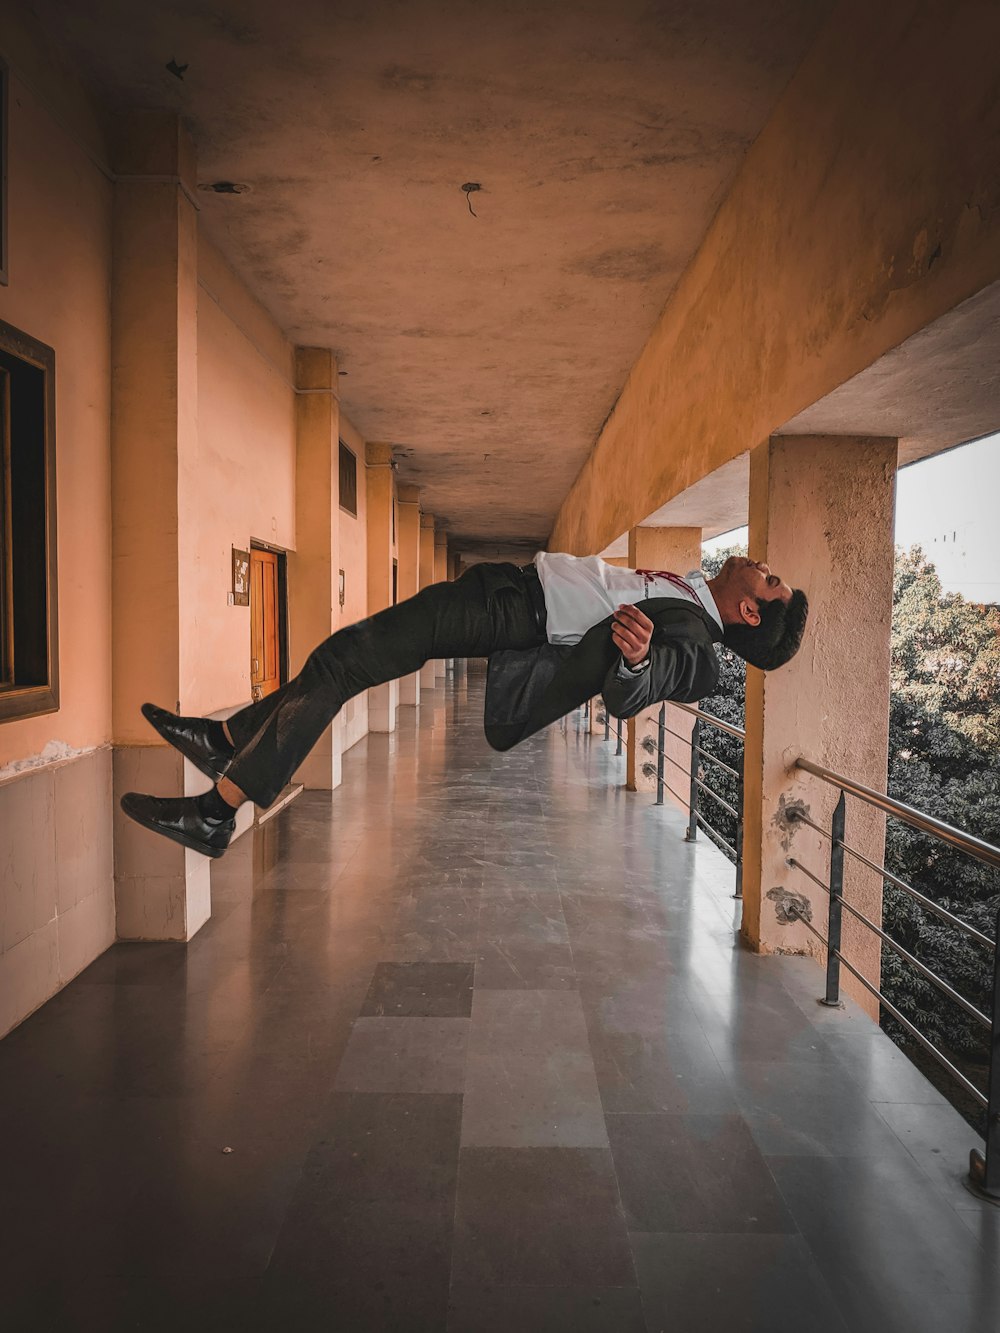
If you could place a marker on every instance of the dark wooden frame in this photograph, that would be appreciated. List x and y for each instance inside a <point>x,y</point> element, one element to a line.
<point>4,157</point>
<point>31,700</point>
<point>346,448</point>
<point>282,555</point>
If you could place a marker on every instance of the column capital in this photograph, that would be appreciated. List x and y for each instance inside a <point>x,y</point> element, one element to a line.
<point>378,455</point>
<point>153,145</point>
<point>407,494</point>
<point>427,520</point>
<point>316,370</point>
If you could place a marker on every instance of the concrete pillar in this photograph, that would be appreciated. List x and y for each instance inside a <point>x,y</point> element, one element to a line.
<point>428,672</point>
<point>408,577</point>
<point>440,576</point>
<point>162,890</point>
<point>313,567</point>
<point>679,550</point>
<point>821,515</point>
<point>381,491</point>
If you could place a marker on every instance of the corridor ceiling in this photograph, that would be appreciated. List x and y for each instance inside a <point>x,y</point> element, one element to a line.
<point>488,349</point>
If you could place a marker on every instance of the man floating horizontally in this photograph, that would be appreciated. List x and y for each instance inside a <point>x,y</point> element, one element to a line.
<point>557,632</point>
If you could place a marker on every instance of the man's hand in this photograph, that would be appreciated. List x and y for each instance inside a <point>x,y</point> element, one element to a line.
<point>632,631</point>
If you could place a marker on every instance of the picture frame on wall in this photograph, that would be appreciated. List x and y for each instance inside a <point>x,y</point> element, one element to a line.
<point>241,577</point>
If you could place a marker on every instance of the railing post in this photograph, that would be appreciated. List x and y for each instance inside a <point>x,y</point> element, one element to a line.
<point>661,738</point>
<point>985,1171</point>
<point>618,724</point>
<point>832,996</point>
<point>738,891</point>
<point>607,723</point>
<point>692,828</point>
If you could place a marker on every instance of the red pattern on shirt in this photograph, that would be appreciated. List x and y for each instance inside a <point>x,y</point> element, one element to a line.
<point>675,579</point>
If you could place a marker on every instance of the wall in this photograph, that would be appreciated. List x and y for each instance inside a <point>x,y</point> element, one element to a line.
<point>56,883</point>
<point>868,206</point>
<point>244,485</point>
<point>354,562</point>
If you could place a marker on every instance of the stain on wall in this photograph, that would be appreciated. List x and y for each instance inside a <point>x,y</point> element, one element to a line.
<point>785,818</point>
<point>789,907</point>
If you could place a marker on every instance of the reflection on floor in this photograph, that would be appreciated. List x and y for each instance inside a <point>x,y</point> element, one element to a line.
<point>469,1045</point>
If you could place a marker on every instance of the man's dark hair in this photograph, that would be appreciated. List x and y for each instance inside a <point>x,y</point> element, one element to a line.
<point>776,639</point>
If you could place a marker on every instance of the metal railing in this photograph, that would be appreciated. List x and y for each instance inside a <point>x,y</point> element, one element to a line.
<point>984,1168</point>
<point>620,743</point>
<point>696,786</point>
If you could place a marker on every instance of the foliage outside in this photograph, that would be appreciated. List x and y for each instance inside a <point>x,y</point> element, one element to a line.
<point>944,759</point>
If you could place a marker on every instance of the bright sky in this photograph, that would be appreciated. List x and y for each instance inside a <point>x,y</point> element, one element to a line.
<point>948,505</point>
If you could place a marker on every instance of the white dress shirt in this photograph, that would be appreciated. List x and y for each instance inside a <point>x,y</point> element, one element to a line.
<point>582,590</point>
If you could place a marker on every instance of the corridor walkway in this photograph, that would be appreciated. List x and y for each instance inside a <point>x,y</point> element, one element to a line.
<point>468,1045</point>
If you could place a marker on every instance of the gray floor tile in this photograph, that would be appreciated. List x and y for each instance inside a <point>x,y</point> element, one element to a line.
<point>668,1072</point>
<point>367,1242</point>
<point>759,1026</point>
<point>420,990</point>
<point>892,1252</point>
<point>740,1284</point>
<point>694,1173</point>
<point>881,1070</point>
<point>523,1022</point>
<point>532,1101</point>
<point>496,1309</point>
<point>939,1140</point>
<point>539,1217</point>
<point>523,943</point>
<point>804,1108</point>
<point>530,1078</point>
<point>405,1055</point>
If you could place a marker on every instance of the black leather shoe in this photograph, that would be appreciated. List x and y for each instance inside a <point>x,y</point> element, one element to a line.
<point>178,818</point>
<point>189,735</point>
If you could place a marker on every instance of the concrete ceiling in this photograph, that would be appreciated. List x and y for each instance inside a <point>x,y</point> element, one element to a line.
<point>488,349</point>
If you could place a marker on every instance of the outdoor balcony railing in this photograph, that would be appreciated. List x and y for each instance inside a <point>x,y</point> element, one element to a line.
<point>984,1167</point>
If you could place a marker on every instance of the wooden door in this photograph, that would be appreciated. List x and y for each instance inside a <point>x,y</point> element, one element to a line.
<point>265,667</point>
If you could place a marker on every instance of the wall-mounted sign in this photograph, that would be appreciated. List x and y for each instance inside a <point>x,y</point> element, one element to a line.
<point>241,577</point>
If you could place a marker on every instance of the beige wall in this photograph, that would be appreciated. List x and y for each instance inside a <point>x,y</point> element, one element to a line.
<point>56,883</point>
<point>244,486</point>
<point>867,207</point>
<point>59,276</point>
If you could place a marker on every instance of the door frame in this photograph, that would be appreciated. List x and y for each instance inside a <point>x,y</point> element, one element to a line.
<point>257,545</point>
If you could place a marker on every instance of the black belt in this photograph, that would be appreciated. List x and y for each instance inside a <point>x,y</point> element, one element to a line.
<point>533,587</point>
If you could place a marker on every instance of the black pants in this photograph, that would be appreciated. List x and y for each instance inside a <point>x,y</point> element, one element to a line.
<point>489,608</point>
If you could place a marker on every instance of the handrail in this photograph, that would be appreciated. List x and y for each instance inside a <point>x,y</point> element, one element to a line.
<point>711,719</point>
<point>929,1046</point>
<point>965,842</point>
<point>984,1168</point>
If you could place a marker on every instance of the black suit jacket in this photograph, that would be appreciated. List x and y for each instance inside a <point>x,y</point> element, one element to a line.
<point>526,689</point>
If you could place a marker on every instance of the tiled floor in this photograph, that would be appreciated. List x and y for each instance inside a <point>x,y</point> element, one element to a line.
<point>478,1033</point>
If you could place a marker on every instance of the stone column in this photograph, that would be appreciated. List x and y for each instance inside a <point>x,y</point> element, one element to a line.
<point>821,515</point>
<point>313,567</point>
<point>440,576</point>
<point>162,890</point>
<point>381,491</point>
<point>408,577</point>
<point>679,550</point>
<point>428,672</point>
